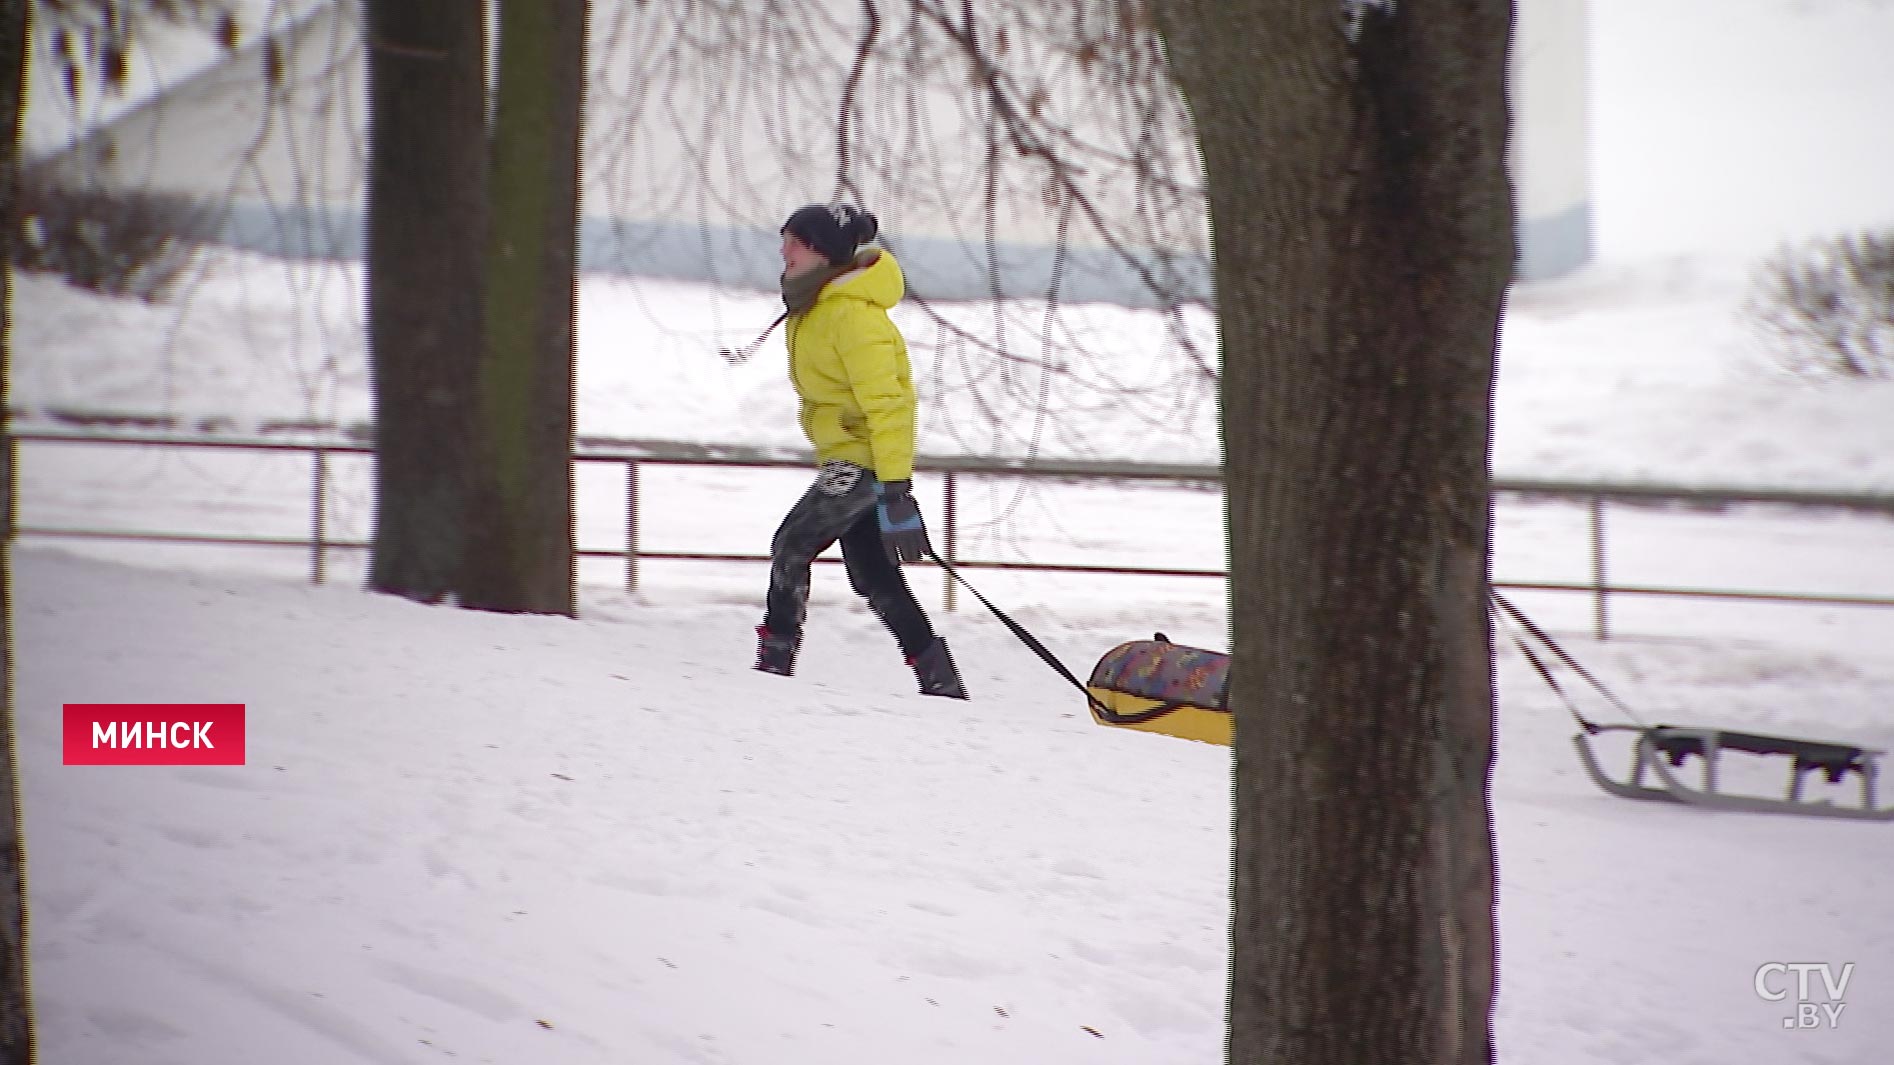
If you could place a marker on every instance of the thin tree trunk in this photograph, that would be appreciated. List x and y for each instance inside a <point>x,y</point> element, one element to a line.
<point>427,177</point>
<point>1362,246</point>
<point>520,549</point>
<point>16,1005</point>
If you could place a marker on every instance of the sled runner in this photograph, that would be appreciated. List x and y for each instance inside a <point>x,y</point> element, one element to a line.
<point>1158,686</point>
<point>1659,753</point>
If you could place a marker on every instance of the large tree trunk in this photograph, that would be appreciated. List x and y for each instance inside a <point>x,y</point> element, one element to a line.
<point>1362,222</point>
<point>16,1006</point>
<point>427,177</point>
<point>519,552</point>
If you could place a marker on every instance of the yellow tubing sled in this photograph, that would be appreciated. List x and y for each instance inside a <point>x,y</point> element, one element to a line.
<point>1158,686</point>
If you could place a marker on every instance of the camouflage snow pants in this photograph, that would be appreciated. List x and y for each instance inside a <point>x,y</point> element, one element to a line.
<point>840,505</point>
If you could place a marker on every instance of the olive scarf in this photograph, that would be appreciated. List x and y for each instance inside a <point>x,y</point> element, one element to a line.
<point>800,290</point>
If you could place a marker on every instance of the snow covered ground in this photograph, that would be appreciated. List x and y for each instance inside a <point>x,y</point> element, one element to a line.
<point>468,837</point>
<point>464,836</point>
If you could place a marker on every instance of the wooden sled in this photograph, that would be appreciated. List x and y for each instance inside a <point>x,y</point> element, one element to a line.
<point>1158,686</point>
<point>1659,752</point>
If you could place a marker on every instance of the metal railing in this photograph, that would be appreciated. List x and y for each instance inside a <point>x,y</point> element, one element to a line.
<point>632,455</point>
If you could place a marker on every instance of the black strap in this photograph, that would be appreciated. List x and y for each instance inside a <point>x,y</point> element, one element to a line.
<point>1046,656</point>
<point>1545,674</point>
<point>1108,714</point>
<point>1572,663</point>
<point>1141,716</point>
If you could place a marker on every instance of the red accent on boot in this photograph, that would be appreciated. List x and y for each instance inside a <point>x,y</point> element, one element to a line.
<point>775,654</point>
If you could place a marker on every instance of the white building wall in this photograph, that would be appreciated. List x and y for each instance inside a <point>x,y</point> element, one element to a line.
<point>1551,148</point>
<point>286,168</point>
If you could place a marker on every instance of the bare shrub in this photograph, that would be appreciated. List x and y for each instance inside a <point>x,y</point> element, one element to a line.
<point>120,244</point>
<point>94,41</point>
<point>1826,308</point>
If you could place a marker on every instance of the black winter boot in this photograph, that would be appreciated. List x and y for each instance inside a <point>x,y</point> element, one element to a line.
<point>775,654</point>
<point>934,669</point>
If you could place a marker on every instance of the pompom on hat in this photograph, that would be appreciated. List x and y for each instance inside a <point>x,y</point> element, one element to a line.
<point>834,230</point>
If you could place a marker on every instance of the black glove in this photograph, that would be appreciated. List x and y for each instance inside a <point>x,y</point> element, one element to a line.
<point>901,528</point>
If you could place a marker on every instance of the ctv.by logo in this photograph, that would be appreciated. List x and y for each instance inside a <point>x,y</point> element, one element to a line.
<point>1774,980</point>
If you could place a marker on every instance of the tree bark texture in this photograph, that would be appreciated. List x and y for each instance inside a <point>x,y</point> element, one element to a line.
<point>16,1003</point>
<point>1362,244</point>
<point>520,525</point>
<point>427,178</point>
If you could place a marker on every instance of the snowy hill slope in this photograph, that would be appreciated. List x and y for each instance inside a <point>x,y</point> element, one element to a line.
<point>456,826</point>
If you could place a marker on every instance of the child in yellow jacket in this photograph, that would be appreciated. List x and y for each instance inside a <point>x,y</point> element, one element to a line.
<point>849,365</point>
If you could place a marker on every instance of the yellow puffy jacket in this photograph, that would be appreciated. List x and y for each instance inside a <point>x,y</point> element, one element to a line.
<point>850,368</point>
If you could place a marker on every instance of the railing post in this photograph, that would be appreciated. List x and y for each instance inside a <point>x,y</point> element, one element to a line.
<point>631,526</point>
<point>318,534</point>
<point>12,474</point>
<point>949,529</point>
<point>1601,620</point>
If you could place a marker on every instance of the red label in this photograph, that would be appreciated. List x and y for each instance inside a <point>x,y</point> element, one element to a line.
<point>154,733</point>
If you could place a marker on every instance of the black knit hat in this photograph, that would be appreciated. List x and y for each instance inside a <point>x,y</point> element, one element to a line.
<point>835,230</point>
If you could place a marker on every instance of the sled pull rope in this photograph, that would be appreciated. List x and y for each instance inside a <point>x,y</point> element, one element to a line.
<point>1591,727</point>
<point>742,354</point>
<point>1026,638</point>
